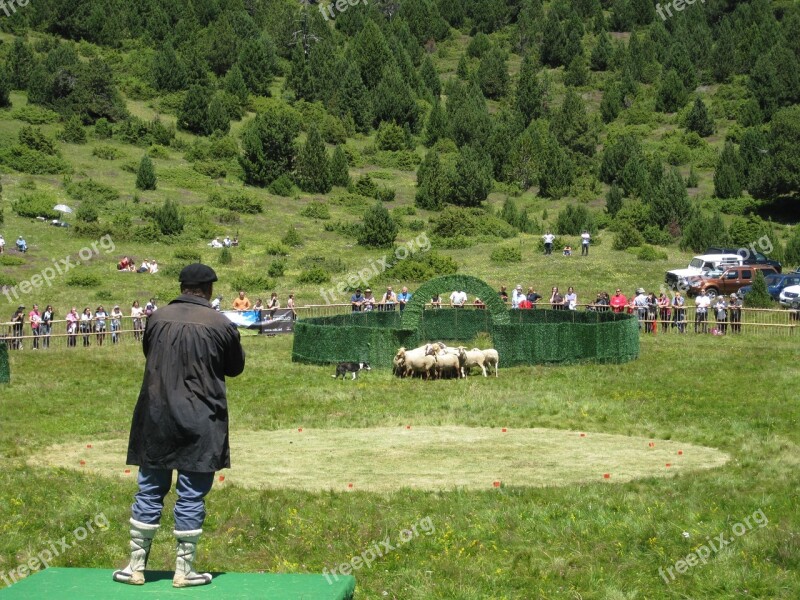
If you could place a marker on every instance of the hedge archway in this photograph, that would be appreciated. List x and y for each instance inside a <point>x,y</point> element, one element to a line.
<point>498,311</point>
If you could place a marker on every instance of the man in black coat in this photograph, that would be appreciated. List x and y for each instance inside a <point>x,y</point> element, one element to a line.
<point>181,421</point>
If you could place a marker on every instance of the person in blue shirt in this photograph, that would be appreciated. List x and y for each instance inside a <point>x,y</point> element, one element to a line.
<point>357,301</point>
<point>403,297</point>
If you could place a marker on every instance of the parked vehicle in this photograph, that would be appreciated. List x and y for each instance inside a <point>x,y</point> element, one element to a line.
<point>729,281</point>
<point>775,284</point>
<point>679,278</point>
<point>790,297</point>
<point>750,256</point>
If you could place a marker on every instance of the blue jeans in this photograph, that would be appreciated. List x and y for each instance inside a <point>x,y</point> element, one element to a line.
<point>190,508</point>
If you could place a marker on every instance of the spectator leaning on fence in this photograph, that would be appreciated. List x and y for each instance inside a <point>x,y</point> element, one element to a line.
<point>702,302</point>
<point>47,324</point>
<point>640,305</point>
<point>242,302</point>
<point>679,312</point>
<point>618,302</point>
<point>403,297</point>
<point>735,313</point>
<point>356,301</point>
<point>116,323</point>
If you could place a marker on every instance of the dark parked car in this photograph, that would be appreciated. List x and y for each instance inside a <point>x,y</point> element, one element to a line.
<point>776,283</point>
<point>751,257</point>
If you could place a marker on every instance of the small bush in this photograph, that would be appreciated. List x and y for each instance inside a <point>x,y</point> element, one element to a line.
<point>35,115</point>
<point>73,132</point>
<point>649,253</point>
<point>158,151</point>
<point>758,296</point>
<point>506,254</point>
<point>252,283</point>
<point>292,238</point>
<point>405,160</point>
<point>275,249</point>
<point>104,295</point>
<point>627,236</point>
<point>654,235</point>
<point>187,256</point>
<point>107,152</point>
<point>315,275</point>
<point>239,202</point>
<point>415,225</point>
<point>390,136</point>
<point>36,204</point>
<point>225,257</point>
<point>366,187</point>
<point>282,186</point>
<point>277,268</point>
<point>229,217</point>
<point>385,194</point>
<point>103,129</point>
<point>316,210</point>
<point>92,191</point>
<point>421,267</point>
<point>348,229</point>
<point>209,168</point>
<point>26,160</point>
<point>85,280</point>
<point>406,209</point>
<point>7,281</point>
<point>11,261</point>
<point>146,233</point>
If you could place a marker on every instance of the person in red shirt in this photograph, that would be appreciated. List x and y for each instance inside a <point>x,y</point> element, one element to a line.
<point>525,303</point>
<point>618,302</point>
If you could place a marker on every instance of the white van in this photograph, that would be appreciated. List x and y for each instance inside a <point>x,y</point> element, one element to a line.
<point>700,265</point>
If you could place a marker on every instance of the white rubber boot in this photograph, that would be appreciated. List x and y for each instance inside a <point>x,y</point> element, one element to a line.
<point>186,551</point>
<point>141,538</point>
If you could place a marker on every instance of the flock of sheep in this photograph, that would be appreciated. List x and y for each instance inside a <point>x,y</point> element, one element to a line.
<point>438,360</point>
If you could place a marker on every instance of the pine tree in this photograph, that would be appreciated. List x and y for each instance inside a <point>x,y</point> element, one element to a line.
<point>699,120</point>
<point>353,98</point>
<point>701,232</point>
<point>312,171</point>
<point>223,46</point>
<point>530,95</point>
<point>193,114</point>
<point>680,61</point>
<point>235,85</point>
<point>468,115</point>
<point>506,126</point>
<point>433,186</point>
<point>554,41</point>
<point>339,168</point>
<point>167,71</point>
<point>430,78</point>
<point>372,54</point>
<point>692,181</point>
<point>73,132</point>
<point>472,180</point>
<point>577,74</point>
<point>724,50</point>
<point>218,117</point>
<point>5,88</point>
<point>672,94</point>
<point>146,175</point>
<point>670,205</point>
<point>169,218</point>
<point>268,145</point>
<point>526,156</point>
<point>613,200</point>
<point>728,180</point>
<point>393,99</point>
<point>611,104</point>
<point>436,127</point>
<point>462,70</point>
<point>600,59</point>
<point>378,229</point>
<point>571,125</point>
<point>758,296</point>
<point>258,63</point>
<point>557,172</point>
<point>492,74</point>
<point>20,63</point>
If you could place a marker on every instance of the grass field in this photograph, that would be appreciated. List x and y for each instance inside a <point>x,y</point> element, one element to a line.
<point>600,539</point>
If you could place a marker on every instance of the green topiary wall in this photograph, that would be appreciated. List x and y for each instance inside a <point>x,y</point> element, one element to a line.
<point>5,368</point>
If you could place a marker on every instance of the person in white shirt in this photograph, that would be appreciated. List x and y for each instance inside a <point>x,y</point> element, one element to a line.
<point>640,302</point>
<point>226,242</point>
<point>548,238</point>
<point>216,302</point>
<point>585,237</point>
<point>137,312</point>
<point>516,296</point>
<point>2,244</point>
<point>701,315</point>
<point>215,243</point>
<point>458,299</point>
<point>153,267</point>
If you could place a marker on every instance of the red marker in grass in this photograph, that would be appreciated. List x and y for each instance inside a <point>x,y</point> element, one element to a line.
<point>583,435</point>
<point>408,426</point>
<point>668,465</point>
<point>504,430</point>
<point>680,452</point>
<point>606,475</point>
<point>127,471</point>
<point>300,429</point>
<point>496,484</point>
<point>88,446</point>
<point>652,444</point>
<point>83,462</point>
<point>350,486</point>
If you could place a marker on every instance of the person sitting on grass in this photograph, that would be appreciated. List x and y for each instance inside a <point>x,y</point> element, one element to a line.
<point>567,250</point>
<point>22,245</point>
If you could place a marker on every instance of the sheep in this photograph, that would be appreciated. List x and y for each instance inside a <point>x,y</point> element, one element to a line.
<point>418,360</point>
<point>472,358</point>
<point>448,362</point>
<point>492,358</point>
<point>421,365</point>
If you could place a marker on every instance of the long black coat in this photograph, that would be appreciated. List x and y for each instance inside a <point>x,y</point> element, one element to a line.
<point>181,418</point>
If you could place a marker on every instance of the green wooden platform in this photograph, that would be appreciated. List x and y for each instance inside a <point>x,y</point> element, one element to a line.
<point>96,584</point>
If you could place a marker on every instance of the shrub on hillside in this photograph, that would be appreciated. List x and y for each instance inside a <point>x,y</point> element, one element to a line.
<point>282,186</point>
<point>648,253</point>
<point>35,115</point>
<point>655,235</point>
<point>103,129</point>
<point>169,218</point>
<point>421,266</point>
<point>86,280</point>
<point>626,237</point>
<point>316,210</point>
<point>240,202</point>
<point>146,234</point>
<point>73,131</point>
<point>292,238</point>
<point>107,152</point>
<point>390,136</point>
<point>36,204</point>
<point>225,256</point>
<point>90,190</point>
<point>187,256</point>
<point>315,275</point>
<point>26,160</point>
<point>505,254</point>
<point>276,249</point>
<point>277,268</point>
<point>455,221</point>
<point>252,283</point>
<point>378,229</point>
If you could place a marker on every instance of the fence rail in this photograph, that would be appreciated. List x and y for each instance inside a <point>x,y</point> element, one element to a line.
<point>749,321</point>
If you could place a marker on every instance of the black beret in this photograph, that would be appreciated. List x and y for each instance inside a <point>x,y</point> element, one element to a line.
<point>196,274</point>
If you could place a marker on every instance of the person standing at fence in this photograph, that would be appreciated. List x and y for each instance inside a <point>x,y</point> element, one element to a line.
<point>35,319</point>
<point>86,325</point>
<point>702,302</point>
<point>618,302</point>
<point>241,303</point>
<point>556,300</point>
<point>640,306</point>
<point>291,306</point>
<point>679,312</point>
<point>664,311</point>
<point>388,300</point>
<point>721,313</point>
<point>17,328</point>
<point>403,297</point>
<point>735,313</point>
<point>100,317</point>
<point>181,422</point>
<point>116,323</point>
<point>356,301</point>
<point>571,299</point>
<point>72,327</point>
<point>136,316</point>
<point>47,325</point>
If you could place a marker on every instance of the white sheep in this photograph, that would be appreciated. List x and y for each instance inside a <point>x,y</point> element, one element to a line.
<point>448,362</point>
<point>472,358</point>
<point>418,360</point>
<point>492,358</point>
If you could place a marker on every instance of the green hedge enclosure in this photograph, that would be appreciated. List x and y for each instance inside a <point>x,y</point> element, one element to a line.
<point>521,337</point>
